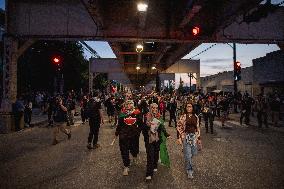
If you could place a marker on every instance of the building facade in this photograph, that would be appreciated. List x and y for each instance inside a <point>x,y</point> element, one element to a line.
<point>266,74</point>
<point>225,82</point>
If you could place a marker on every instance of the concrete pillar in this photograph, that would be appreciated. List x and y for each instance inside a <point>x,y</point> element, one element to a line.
<point>281,46</point>
<point>10,57</point>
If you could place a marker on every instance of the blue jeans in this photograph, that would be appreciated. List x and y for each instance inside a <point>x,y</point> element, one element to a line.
<point>189,149</point>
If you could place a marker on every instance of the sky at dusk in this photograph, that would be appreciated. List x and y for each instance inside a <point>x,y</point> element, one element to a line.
<point>2,4</point>
<point>217,59</point>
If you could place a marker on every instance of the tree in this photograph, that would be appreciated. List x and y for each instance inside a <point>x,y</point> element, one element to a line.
<point>36,72</point>
<point>101,82</point>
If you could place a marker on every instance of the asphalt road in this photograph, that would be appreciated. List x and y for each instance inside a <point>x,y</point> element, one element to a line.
<point>236,157</point>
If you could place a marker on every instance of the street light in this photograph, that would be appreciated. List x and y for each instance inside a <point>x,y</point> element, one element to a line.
<point>139,48</point>
<point>142,7</point>
<point>138,67</point>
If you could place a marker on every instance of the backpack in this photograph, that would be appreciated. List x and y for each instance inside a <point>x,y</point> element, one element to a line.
<point>92,109</point>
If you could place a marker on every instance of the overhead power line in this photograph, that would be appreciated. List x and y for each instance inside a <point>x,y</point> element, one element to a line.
<point>90,49</point>
<point>203,51</point>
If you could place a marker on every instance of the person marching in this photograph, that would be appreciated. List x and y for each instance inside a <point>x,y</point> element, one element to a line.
<point>157,135</point>
<point>60,119</point>
<point>128,129</point>
<point>208,114</point>
<point>94,111</point>
<point>189,133</point>
<point>172,109</point>
<point>84,103</point>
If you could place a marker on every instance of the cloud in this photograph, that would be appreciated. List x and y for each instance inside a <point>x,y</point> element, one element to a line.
<point>214,60</point>
<point>220,67</point>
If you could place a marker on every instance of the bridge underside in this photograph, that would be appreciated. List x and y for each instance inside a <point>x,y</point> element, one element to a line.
<point>164,29</point>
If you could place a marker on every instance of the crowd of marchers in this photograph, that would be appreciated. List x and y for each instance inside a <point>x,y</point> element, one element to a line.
<point>133,114</point>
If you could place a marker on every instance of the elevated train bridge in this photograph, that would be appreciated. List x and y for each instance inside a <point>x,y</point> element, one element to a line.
<point>164,28</point>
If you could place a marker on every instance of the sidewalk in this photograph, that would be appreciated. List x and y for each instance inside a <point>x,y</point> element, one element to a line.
<point>39,119</point>
<point>234,119</point>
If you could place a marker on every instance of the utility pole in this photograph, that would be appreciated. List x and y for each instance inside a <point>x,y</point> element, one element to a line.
<point>90,77</point>
<point>190,83</point>
<point>234,60</point>
<point>235,80</point>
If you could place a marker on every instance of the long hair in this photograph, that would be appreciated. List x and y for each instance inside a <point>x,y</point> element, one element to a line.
<point>185,111</point>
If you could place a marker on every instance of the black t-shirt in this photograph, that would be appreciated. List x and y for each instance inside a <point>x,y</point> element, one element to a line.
<point>59,115</point>
<point>93,109</point>
<point>275,105</point>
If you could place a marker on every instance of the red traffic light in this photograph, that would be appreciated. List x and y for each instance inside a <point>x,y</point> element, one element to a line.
<point>56,60</point>
<point>237,71</point>
<point>238,64</point>
<point>195,30</point>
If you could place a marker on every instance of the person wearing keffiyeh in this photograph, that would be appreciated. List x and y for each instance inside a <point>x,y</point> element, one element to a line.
<point>128,130</point>
<point>156,141</point>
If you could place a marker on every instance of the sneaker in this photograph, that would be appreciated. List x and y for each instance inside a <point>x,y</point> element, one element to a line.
<point>189,175</point>
<point>55,142</point>
<point>89,146</point>
<point>148,178</point>
<point>155,170</point>
<point>97,146</point>
<point>125,171</point>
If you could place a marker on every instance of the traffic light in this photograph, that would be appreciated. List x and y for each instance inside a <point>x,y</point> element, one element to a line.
<point>237,71</point>
<point>195,31</point>
<point>57,62</point>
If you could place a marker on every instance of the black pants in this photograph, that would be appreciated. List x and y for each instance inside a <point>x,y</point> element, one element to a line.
<point>83,115</point>
<point>218,112</point>
<point>146,137</point>
<point>246,115</point>
<point>262,117</point>
<point>173,117</point>
<point>94,131</point>
<point>28,117</point>
<point>208,117</point>
<point>49,117</point>
<point>127,145</point>
<point>18,117</point>
<point>152,150</point>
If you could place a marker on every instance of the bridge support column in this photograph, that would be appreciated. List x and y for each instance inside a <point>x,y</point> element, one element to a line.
<point>10,57</point>
<point>281,46</point>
